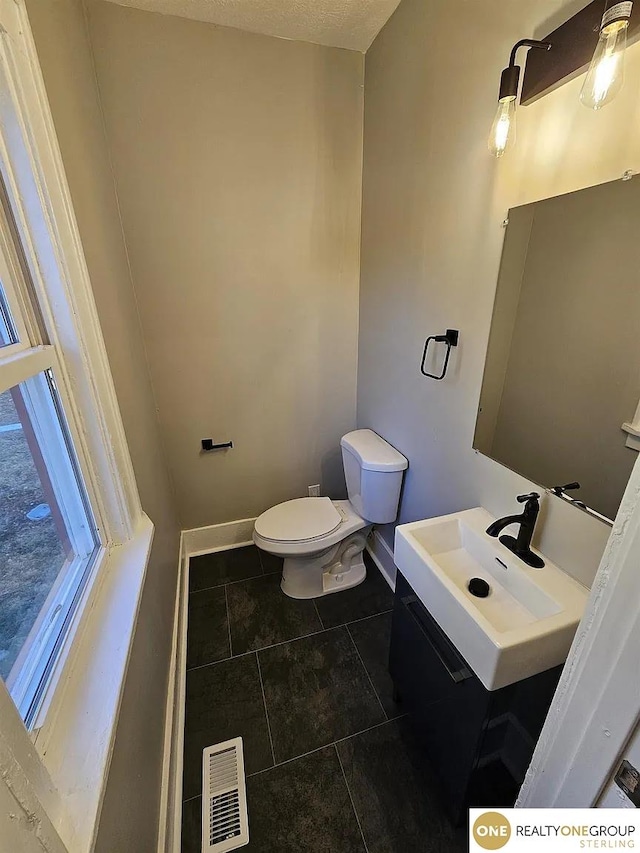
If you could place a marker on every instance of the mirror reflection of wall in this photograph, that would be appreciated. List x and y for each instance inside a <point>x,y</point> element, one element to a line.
<point>563,365</point>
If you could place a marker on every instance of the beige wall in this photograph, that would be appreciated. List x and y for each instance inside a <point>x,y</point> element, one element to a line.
<point>433,204</point>
<point>573,375</point>
<point>130,813</point>
<point>238,164</point>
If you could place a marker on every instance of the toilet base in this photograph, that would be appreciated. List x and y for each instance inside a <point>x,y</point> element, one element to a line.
<point>336,583</point>
<point>334,570</point>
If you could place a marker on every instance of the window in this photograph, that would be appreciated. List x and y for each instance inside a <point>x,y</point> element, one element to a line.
<point>48,534</point>
<point>74,540</point>
<point>8,334</point>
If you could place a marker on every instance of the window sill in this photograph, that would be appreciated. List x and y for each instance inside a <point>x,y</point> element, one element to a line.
<point>633,436</point>
<point>75,740</point>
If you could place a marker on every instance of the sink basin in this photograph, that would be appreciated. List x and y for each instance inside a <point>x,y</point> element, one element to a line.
<point>527,622</point>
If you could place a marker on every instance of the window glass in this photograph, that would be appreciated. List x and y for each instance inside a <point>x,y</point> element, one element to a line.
<point>7,329</point>
<point>47,535</point>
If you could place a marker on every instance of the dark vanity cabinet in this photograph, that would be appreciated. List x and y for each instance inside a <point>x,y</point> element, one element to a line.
<point>478,742</point>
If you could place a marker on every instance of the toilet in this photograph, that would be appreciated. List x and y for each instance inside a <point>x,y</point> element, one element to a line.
<point>322,540</point>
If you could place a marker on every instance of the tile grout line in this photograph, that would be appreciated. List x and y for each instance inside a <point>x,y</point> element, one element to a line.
<point>325,746</point>
<point>353,805</point>
<point>190,799</point>
<point>350,622</point>
<point>315,607</point>
<point>231,583</point>
<point>369,729</point>
<point>266,710</point>
<point>364,666</point>
<point>261,562</point>
<point>226,601</point>
<point>293,639</point>
<point>289,760</point>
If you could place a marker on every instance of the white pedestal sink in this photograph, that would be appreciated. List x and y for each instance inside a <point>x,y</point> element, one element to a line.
<point>527,622</point>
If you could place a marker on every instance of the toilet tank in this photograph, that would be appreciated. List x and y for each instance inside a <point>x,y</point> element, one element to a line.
<point>374,471</point>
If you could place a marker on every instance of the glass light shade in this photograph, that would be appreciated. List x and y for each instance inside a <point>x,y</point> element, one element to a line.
<point>503,130</point>
<point>606,72</point>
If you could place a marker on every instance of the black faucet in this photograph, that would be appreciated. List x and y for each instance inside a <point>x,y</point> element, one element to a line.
<point>568,487</point>
<point>561,492</point>
<point>521,546</point>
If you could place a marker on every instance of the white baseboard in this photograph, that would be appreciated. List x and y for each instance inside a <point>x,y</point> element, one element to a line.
<point>166,794</point>
<point>201,540</point>
<point>382,556</point>
<point>218,537</point>
<point>169,835</point>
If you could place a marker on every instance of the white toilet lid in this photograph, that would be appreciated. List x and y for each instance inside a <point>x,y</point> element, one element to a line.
<point>299,520</point>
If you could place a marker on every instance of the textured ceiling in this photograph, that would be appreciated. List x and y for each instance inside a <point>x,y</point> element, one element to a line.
<point>352,24</point>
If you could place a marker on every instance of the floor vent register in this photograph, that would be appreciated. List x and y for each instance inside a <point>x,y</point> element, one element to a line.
<point>225,824</point>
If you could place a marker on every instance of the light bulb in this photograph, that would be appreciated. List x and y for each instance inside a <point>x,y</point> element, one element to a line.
<point>606,72</point>
<point>503,130</point>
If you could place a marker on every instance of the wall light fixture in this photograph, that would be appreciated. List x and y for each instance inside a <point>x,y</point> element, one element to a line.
<point>606,72</point>
<point>503,130</point>
<point>585,38</point>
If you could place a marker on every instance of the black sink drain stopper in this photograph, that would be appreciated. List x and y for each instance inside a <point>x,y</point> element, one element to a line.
<point>479,588</point>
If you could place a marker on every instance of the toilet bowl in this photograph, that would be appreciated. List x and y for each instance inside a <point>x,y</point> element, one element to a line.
<point>322,543</point>
<point>322,540</point>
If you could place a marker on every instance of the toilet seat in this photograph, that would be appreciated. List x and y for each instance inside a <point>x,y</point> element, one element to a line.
<point>348,523</point>
<point>300,520</point>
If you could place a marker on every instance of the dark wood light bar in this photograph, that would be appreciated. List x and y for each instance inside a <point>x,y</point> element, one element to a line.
<point>573,45</point>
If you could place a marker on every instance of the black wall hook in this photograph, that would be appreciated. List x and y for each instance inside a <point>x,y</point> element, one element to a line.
<point>451,340</point>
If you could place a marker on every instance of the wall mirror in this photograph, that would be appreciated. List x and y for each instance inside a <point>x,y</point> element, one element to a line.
<point>562,374</point>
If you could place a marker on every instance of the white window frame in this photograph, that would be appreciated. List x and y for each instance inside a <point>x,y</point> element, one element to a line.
<point>17,308</point>
<point>632,429</point>
<point>28,681</point>
<point>57,774</point>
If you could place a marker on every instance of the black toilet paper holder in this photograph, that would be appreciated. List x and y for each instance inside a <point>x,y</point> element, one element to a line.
<point>208,445</point>
<point>450,338</point>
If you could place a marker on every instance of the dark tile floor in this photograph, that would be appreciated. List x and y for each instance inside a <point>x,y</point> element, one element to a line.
<point>330,760</point>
